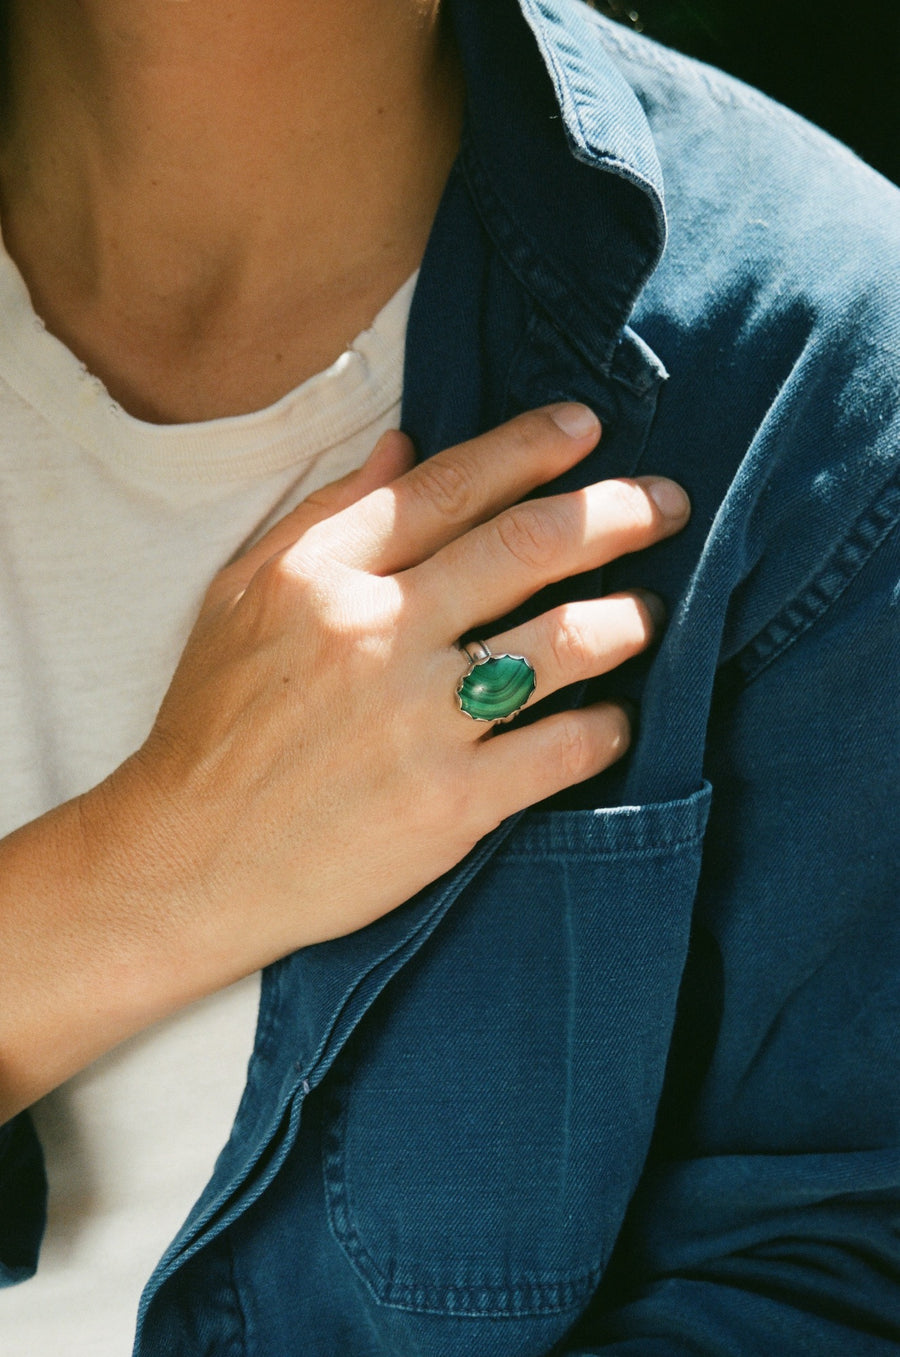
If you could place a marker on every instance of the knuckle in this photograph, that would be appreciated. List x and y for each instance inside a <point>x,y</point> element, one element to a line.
<point>445,486</point>
<point>533,533</point>
<point>283,575</point>
<point>535,437</point>
<point>629,506</point>
<point>318,505</point>
<point>287,590</point>
<point>589,741</point>
<point>533,431</point>
<point>570,644</point>
<point>436,806</point>
<point>576,752</point>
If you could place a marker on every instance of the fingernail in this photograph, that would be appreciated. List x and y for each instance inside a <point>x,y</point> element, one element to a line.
<point>669,498</point>
<point>574,419</point>
<point>629,708</point>
<point>654,605</point>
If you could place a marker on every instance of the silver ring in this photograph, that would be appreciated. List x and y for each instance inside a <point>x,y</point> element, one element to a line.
<point>482,652</point>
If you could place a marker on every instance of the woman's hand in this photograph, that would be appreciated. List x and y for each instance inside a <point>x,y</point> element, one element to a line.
<point>310,768</point>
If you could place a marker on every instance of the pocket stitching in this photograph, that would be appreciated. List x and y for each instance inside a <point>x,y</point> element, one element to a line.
<point>541,1292</point>
<point>475,1301</point>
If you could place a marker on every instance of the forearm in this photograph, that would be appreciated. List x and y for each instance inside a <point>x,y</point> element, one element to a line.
<point>96,938</point>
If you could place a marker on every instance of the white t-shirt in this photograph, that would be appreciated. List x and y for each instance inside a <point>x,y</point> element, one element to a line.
<point>110,531</point>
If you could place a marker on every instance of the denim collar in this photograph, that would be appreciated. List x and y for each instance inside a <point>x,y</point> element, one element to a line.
<point>536,88</point>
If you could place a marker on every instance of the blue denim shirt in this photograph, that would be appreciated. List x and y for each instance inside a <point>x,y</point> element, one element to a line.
<point>627,1080</point>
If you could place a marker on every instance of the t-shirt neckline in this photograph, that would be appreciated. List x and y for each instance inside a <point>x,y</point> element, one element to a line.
<point>323,411</point>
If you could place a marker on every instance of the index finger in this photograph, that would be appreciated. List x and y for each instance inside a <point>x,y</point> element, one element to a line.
<point>402,524</point>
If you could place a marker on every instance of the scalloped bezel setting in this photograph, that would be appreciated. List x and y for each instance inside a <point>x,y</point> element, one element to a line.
<point>495,687</point>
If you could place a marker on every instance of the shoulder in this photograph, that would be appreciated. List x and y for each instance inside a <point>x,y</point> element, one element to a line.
<point>750,183</point>
<point>684,99</point>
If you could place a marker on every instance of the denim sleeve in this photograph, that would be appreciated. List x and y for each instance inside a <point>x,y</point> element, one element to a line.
<point>768,1217</point>
<point>23,1196</point>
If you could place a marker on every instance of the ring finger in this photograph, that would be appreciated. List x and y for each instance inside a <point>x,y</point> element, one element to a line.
<point>581,640</point>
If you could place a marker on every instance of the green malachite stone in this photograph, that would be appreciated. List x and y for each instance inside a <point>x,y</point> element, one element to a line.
<point>497,688</point>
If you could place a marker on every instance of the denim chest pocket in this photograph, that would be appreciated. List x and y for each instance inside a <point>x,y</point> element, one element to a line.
<point>486,1125</point>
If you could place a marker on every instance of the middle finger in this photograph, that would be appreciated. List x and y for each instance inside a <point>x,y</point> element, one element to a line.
<point>497,566</point>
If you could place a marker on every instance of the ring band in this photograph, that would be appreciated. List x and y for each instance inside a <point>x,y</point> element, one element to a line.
<point>494,687</point>
<point>482,652</point>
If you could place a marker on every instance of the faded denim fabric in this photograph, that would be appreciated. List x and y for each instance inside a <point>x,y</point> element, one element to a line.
<point>627,1080</point>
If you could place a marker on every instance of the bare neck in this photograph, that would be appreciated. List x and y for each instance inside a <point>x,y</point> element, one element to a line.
<point>208,202</point>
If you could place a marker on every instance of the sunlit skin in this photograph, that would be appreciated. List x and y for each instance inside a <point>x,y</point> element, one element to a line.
<point>207,204</point>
